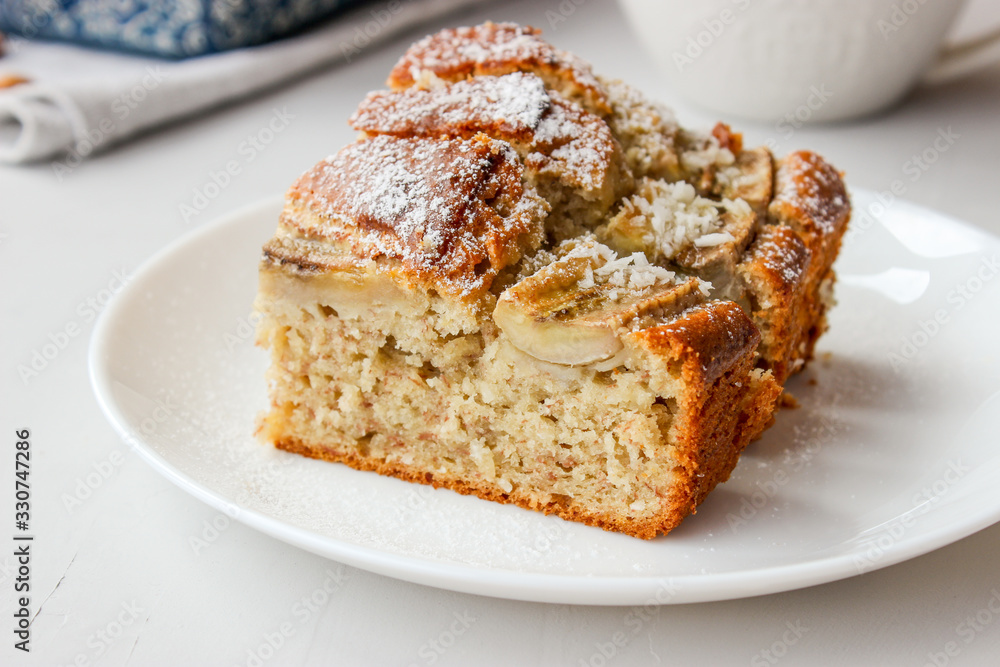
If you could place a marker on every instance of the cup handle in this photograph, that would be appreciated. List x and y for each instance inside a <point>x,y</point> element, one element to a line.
<point>961,58</point>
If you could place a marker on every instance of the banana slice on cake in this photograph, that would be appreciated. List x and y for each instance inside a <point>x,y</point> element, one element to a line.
<point>750,178</point>
<point>574,310</point>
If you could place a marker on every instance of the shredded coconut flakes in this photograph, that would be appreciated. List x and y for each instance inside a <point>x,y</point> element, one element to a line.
<point>673,216</point>
<point>632,272</point>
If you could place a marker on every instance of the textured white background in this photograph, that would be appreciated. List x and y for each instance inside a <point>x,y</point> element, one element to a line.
<point>128,543</point>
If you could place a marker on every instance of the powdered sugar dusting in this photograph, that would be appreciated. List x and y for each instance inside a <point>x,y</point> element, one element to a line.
<point>781,252</point>
<point>558,137</point>
<point>635,114</point>
<point>805,182</point>
<point>492,48</point>
<point>512,104</point>
<point>421,201</point>
<point>578,141</point>
<point>646,129</point>
<point>473,45</point>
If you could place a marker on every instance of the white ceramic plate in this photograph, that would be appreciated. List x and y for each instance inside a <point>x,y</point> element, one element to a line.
<point>893,452</point>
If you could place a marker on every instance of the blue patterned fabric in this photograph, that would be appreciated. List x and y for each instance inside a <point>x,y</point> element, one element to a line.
<point>170,28</point>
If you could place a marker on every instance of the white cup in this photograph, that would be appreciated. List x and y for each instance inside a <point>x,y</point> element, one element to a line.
<point>838,59</point>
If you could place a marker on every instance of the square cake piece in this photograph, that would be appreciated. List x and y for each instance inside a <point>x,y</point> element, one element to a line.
<point>527,283</point>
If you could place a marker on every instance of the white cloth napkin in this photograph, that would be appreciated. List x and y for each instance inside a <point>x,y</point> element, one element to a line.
<point>81,101</point>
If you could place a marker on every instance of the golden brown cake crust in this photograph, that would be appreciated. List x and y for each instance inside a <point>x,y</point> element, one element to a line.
<point>718,418</point>
<point>450,211</point>
<point>789,265</point>
<point>706,341</point>
<point>569,511</point>
<point>810,196</point>
<point>509,107</point>
<point>305,255</point>
<point>551,133</point>
<point>498,48</point>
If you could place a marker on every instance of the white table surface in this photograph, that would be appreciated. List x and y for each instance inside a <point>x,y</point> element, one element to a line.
<point>116,578</point>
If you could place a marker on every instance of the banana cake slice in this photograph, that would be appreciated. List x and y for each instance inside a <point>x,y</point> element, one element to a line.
<point>527,283</point>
